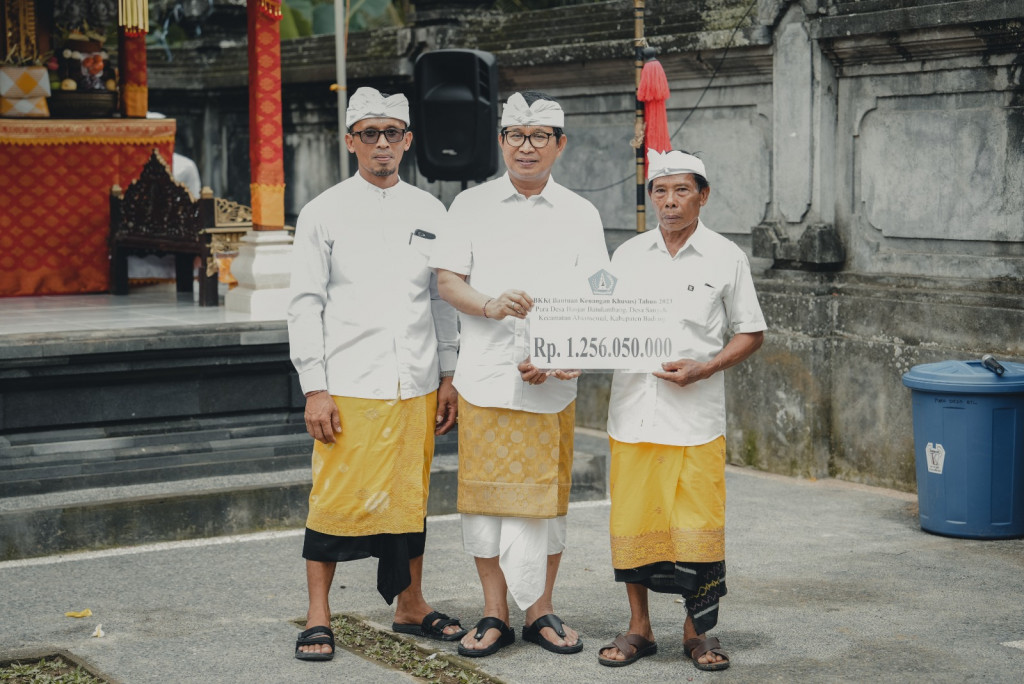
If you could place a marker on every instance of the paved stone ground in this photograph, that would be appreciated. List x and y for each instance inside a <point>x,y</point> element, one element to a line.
<point>828,581</point>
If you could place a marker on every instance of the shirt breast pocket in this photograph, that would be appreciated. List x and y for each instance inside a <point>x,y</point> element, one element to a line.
<point>697,305</point>
<point>421,244</point>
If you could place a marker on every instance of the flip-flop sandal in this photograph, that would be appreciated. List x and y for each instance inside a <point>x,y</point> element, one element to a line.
<point>432,627</point>
<point>508,636</point>
<point>696,647</point>
<point>533,635</point>
<point>310,638</point>
<point>633,646</point>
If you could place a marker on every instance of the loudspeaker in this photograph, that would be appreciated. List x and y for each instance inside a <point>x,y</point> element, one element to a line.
<point>456,122</point>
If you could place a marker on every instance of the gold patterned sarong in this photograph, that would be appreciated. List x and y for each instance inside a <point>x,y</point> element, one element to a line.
<point>668,503</point>
<point>375,478</point>
<point>515,463</point>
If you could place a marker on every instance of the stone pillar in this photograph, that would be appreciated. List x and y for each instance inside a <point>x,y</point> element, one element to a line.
<point>801,232</point>
<point>262,264</point>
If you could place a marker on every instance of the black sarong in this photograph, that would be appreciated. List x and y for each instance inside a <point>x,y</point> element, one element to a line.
<point>392,551</point>
<point>700,584</point>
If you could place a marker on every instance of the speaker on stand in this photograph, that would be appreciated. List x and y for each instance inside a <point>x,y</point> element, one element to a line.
<point>456,121</point>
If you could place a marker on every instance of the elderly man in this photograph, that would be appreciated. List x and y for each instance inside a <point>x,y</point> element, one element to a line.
<point>516,421</point>
<point>375,349</point>
<point>667,429</point>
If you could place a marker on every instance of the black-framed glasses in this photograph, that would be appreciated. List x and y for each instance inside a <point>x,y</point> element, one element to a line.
<point>369,135</point>
<point>538,139</point>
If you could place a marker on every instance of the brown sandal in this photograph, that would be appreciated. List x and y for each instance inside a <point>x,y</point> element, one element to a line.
<point>633,646</point>
<point>698,646</point>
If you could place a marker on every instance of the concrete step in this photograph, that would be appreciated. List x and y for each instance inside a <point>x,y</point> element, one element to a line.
<point>224,462</point>
<point>39,462</point>
<point>48,450</point>
<point>130,514</point>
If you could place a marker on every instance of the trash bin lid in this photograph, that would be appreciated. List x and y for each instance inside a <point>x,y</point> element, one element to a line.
<point>965,376</point>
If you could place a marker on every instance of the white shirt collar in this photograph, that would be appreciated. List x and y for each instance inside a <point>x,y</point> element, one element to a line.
<point>370,187</point>
<point>697,241</point>
<point>507,191</point>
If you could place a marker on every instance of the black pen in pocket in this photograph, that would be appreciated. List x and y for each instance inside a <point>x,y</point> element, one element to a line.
<point>422,234</point>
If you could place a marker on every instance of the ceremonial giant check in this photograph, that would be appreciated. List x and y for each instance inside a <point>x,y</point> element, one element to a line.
<point>604,324</point>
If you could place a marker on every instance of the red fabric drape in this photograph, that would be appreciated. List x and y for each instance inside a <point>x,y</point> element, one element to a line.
<point>55,179</point>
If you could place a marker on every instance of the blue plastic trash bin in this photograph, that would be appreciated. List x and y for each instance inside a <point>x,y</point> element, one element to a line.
<point>969,448</point>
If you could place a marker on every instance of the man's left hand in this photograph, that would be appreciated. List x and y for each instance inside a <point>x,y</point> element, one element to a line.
<point>447,406</point>
<point>682,372</point>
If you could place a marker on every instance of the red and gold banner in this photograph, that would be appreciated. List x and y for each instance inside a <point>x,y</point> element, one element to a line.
<point>266,145</point>
<point>132,70</point>
<point>267,206</point>
<point>55,179</point>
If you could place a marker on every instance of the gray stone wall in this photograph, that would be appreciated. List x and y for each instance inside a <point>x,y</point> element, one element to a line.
<point>867,154</point>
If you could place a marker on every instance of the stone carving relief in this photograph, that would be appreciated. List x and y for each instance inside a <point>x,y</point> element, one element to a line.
<point>945,167</point>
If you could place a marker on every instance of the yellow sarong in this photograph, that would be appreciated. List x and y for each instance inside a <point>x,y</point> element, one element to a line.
<point>375,478</point>
<point>668,503</point>
<point>515,463</point>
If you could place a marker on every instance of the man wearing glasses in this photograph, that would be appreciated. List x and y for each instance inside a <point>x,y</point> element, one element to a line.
<point>516,422</point>
<point>375,348</point>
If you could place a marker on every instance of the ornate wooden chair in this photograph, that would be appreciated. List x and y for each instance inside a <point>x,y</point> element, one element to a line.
<point>156,214</point>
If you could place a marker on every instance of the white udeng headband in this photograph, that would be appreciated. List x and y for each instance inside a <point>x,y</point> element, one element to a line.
<point>541,113</point>
<point>670,163</point>
<point>368,103</point>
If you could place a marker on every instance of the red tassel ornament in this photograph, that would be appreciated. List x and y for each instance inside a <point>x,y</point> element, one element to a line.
<point>653,92</point>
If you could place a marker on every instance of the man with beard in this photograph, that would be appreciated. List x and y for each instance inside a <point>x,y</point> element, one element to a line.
<point>375,349</point>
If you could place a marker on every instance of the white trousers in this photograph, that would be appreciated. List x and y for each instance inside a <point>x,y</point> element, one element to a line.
<point>522,546</point>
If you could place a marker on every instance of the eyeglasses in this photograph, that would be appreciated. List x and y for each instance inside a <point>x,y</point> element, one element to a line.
<point>538,139</point>
<point>369,135</point>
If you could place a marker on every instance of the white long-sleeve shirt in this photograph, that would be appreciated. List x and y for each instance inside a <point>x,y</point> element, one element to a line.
<point>365,319</point>
<point>503,240</point>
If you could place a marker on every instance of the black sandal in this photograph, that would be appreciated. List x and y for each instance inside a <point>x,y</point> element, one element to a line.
<point>508,636</point>
<point>533,635</point>
<point>432,627</point>
<point>310,638</point>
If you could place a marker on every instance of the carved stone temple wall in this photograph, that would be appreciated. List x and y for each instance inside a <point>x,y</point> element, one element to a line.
<point>867,154</point>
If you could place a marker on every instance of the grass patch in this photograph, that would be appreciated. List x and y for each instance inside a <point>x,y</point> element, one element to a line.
<point>48,670</point>
<point>383,647</point>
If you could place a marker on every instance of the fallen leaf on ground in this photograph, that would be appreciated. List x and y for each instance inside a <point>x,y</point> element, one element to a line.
<point>78,613</point>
